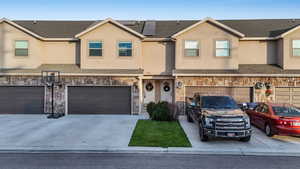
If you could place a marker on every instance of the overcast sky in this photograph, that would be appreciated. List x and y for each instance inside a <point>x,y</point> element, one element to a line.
<point>148,9</point>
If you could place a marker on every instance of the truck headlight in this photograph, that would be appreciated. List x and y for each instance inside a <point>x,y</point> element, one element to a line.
<point>209,122</point>
<point>247,121</point>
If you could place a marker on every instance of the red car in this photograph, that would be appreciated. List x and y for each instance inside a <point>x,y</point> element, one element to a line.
<point>279,119</point>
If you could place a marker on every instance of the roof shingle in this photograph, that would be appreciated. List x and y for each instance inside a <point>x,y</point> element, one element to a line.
<point>163,29</point>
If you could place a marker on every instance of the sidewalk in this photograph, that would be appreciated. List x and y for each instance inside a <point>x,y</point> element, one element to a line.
<point>85,134</point>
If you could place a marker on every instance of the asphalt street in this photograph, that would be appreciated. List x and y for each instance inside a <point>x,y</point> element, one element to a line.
<point>142,161</point>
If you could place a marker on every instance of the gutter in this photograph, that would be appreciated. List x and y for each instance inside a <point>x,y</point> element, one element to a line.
<point>68,74</point>
<point>237,75</point>
<point>157,39</point>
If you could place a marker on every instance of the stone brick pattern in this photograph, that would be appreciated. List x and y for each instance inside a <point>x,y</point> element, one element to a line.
<point>229,82</point>
<point>60,91</point>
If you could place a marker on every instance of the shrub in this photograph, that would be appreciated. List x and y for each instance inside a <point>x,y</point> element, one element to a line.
<point>162,111</point>
<point>150,108</point>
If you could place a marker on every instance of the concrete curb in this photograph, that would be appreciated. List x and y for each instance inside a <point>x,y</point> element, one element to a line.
<point>157,150</point>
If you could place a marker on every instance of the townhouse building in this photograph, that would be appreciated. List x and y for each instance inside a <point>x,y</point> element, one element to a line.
<point>116,67</point>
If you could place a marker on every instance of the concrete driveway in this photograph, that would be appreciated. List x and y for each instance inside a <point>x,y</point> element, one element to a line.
<point>258,143</point>
<point>74,132</point>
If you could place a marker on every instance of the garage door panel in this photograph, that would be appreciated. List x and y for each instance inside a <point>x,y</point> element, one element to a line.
<point>99,100</point>
<point>240,94</point>
<point>21,100</point>
<point>290,95</point>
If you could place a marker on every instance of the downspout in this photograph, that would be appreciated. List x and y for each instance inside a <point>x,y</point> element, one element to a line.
<point>140,86</point>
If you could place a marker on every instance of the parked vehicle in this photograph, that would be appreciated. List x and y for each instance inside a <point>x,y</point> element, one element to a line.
<point>218,116</point>
<point>247,105</point>
<point>276,119</point>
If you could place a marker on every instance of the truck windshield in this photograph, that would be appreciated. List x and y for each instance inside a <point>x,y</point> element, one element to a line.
<point>218,102</point>
<point>286,111</point>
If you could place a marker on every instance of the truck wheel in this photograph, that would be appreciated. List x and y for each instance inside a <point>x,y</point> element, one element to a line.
<point>203,137</point>
<point>268,131</point>
<point>245,139</point>
<point>189,119</point>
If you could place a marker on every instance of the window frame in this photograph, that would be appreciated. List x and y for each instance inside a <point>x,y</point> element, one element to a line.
<point>15,48</point>
<point>118,48</point>
<point>185,49</point>
<point>292,46</point>
<point>95,41</point>
<point>229,48</point>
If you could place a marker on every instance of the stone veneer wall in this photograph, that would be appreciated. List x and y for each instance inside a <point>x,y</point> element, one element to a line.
<point>60,91</point>
<point>229,82</point>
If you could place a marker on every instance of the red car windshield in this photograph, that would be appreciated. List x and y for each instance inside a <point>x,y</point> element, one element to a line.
<point>286,111</point>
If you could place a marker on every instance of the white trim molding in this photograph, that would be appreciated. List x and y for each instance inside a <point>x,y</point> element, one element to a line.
<point>237,75</point>
<point>113,22</point>
<point>212,21</point>
<point>288,32</point>
<point>259,38</point>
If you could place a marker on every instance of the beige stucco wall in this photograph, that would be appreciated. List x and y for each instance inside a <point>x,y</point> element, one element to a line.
<point>257,52</point>
<point>206,34</point>
<point>158,58</point>
<point>110,35</point>
<point>290,61</point>
<point>7,53</point>
<point>59,53</point>
<point>280,53</point>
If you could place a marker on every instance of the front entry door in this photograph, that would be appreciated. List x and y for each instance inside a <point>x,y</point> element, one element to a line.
<point>149,91</point>
<point>166,90</point>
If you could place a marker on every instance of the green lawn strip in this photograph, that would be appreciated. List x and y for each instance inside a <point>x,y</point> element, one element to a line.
<point>148,133</point>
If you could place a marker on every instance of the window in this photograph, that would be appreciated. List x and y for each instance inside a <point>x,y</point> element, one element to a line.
<point>21,48</point>
<point>265,109</point>
<point>191,48</point>
<point>125,48</point>
<point>95,48</point>
<point>222,48</point>
<point>296,47</point>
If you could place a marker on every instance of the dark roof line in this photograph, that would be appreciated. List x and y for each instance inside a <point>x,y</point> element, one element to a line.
<point>163,28</point>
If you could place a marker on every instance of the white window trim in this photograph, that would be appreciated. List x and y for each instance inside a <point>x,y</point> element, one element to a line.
<point>95,41</point>
<point>229,47</point>
<point>125,48</point>
<point>295,48</point>
<point>184,46</point>
<point>21,48</point>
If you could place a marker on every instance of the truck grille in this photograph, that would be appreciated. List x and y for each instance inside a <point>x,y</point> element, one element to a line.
<point>230,124</point>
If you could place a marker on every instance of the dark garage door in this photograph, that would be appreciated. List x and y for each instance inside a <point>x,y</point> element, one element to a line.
<point>21,100</point>
<point>240,94</point>
<point>99,100</point>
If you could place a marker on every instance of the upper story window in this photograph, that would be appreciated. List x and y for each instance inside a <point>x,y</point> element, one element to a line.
<point>21,48</point>
<point>191,48</point>
<point>95,48</point>
<point>296,47</point>
<point>125,48</point>
<point>222,48</point>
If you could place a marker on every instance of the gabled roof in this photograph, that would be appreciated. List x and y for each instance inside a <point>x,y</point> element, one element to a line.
<point>20,27</point>
<point>24,29</point>
<point>109,20</point>
<point>289,31</point>
<point>253,29</point>
<point>258,28</point>
<point>212,21</point>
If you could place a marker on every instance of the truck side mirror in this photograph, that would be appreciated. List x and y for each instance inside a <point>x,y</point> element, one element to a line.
<point>193,104</point>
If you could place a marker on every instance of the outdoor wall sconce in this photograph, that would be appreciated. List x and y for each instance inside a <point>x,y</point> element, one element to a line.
<point>179,84</point>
